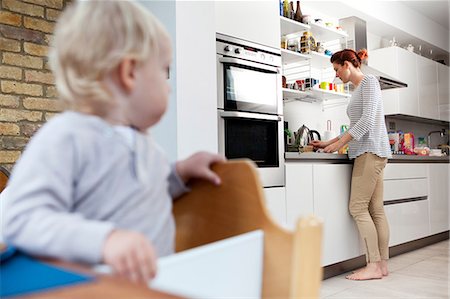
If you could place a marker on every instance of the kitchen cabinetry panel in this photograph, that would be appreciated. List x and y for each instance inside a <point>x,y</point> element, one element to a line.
<point>439,197</point>
<point>405,171</point>
<point>408,221</point>
<point>405,189</point>
<point>428,88</point>
<point>276,204</point>
<point>299,192</point>
<point>331,197</point>
<point>443,92</point>
<point>255,21</point>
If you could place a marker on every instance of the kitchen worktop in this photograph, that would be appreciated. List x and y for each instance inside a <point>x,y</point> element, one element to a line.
<point>339,159</point>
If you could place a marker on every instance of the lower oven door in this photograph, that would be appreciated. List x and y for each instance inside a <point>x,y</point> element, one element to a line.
<point>258,137</point>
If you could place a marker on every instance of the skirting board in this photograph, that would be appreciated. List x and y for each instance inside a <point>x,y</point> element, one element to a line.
<point>360,261</point>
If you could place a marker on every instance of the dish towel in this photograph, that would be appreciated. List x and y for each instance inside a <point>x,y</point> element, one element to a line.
<point>21,274</point>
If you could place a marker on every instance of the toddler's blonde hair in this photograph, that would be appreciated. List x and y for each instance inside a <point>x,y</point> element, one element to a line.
<point>91,39</point>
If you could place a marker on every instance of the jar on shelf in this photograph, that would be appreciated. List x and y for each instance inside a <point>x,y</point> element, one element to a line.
<point>320,48</point>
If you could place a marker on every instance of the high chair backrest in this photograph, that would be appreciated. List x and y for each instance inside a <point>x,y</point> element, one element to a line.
<point>210,213</point>
<point>4,175</point>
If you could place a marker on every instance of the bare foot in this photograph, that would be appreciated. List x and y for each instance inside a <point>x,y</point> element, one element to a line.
<point>383,265</point>
<point>371,271</point>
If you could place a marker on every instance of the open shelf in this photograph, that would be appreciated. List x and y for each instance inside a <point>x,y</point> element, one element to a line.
<point>291,27</point>
<point>324,33</point>
<point>320,60</point>
<point>313,95</point>
<point>288,56</point>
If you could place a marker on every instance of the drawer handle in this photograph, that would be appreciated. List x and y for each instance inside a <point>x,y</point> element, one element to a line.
<point>403,200</point>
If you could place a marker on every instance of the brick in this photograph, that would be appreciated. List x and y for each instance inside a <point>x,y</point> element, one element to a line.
<point>14,115</point>
<point>22,34</point>
<point>23,60</point>
<point>47,66</point>
<point>9,156</point>
<point>10,72</point>
<point>21,88</point>
<point>9,129</point>
<point>10,101</point>
<point>52,14</point>
<point>48,39</point>
<point>9,45</point>
<point>13,142</point>
<point>39,25</point>
<point>10,18</point>
<point>8,167</point>
<point>51,92</point>
<point>47,3</point>
<point>42,104</point>
<point>35,49</point>
<point>21,7</point>
<point>39,77</point>
<point>49,115</point>
<point>29,129</point>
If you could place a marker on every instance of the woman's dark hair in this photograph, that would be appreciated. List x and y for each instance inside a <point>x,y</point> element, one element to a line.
<point>350,55</point>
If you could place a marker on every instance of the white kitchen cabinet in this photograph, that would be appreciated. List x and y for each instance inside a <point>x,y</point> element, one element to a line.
<point>408,221</point>
<point>428,87</point>
<point>400,64</point>
<point>255,21</point>
<point>331,196</point>
<point>299,192</point>
<point>276,204</point>
<point>443,92</point>
<point>439,197</point>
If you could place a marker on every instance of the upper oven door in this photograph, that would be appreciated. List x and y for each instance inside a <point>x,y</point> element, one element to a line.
<point>248,86</point>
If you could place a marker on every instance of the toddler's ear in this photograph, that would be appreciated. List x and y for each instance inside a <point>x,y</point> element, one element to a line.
<point>127,74</point>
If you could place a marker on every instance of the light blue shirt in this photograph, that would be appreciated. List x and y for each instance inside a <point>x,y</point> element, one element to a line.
<point>78,179</point>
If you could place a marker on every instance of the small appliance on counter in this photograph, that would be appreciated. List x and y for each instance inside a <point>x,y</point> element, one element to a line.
<point>303,137</point>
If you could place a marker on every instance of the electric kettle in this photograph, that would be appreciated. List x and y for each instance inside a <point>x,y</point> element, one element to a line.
<point>304,136</point>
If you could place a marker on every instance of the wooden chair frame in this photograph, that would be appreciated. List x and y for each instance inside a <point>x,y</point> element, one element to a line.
<point>210,213</point>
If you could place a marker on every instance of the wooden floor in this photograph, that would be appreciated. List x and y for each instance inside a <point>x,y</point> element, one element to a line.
<point>423,273</point>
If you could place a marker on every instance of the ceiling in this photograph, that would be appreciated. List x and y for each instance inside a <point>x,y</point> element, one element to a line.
<point>437,11</point>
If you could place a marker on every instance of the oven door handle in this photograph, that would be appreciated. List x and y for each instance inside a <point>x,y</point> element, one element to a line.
<point>250,64</point>
<point>234,114</point>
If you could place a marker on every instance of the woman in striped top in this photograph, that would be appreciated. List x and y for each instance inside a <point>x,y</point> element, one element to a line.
<point>369,147</point>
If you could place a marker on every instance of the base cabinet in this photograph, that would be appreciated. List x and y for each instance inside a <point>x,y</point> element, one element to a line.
<point>299,192</point>
<point>439,197</point>
<point>276,204</point>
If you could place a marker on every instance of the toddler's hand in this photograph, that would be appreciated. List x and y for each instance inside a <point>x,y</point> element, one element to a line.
<point>131,255</point>
<point>199,166</point>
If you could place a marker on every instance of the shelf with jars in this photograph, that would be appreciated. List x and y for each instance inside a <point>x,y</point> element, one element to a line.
<point>306,50</point>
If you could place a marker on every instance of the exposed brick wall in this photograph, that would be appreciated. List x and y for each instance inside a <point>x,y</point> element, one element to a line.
<point>28,95</point>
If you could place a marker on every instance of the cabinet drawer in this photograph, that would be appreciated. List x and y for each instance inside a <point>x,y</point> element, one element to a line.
<point>408,221</point>
<point>404,189</point>
<point>405,171</point>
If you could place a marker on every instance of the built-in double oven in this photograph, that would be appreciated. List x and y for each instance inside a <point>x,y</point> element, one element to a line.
<point>250,106</point>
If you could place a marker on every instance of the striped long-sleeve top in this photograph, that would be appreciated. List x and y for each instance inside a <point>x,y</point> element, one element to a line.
<point>367,124</point>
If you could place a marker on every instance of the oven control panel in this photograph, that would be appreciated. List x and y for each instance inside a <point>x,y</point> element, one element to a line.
<point>248,53</point>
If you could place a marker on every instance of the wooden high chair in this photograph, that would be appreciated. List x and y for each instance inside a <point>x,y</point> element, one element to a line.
<point>291,266</point>
<point>4,175</point>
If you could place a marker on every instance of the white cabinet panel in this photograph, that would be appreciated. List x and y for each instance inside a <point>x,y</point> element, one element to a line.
<point>276,203</point>
<point>255,21</point>
<point>428,88</point>
<point>443,92</point>
<point>405,171</point>
<point>408,221</point>
<point>299,192</point>
<point>403,189</point>
<point>439,197</point>
<point>331,197</point>
<point>408,98</point>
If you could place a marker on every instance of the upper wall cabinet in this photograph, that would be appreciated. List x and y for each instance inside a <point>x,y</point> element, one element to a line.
<point>255,21</point>
<point>443,92</point>
<point>400,64</point>
<point>427,92</point>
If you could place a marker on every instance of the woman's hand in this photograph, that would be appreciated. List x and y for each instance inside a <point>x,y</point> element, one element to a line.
<point>131,255</point>
<point>319,143</point>
<point>198,166</point>
<point>334,147</point>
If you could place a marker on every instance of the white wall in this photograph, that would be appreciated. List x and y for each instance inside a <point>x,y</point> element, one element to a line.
<point>196,77</point>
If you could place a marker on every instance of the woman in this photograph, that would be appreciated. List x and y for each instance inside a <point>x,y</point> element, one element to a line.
<point>369,147</point>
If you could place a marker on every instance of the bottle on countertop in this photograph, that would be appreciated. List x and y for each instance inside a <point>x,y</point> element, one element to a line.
<point>298,13</point>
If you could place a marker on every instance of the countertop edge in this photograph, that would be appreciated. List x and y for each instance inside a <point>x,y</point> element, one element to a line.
<point>343,159</point>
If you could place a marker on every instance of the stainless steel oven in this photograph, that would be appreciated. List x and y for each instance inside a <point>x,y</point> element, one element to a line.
<point>250,106</point>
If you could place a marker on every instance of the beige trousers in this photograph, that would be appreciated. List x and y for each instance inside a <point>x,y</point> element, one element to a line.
<point>366,205</point>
